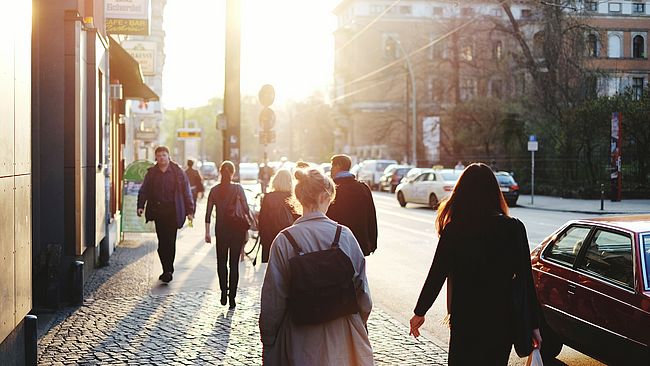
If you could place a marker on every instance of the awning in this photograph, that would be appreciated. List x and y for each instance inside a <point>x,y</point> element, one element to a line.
<point>126,69</point>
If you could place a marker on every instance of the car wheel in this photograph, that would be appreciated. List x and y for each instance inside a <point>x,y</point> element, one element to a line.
<point>400,199</point>
<point>512,203</point>
<point>433,201</point>
<point>392,188</point>
<point>551,343</point>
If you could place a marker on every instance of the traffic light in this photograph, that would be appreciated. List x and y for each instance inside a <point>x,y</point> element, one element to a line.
<point>267,116</point>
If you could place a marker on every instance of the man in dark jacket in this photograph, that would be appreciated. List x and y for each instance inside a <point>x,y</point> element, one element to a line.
<point>166,192</point>
<point>196,182</point>
<point>353,205</point>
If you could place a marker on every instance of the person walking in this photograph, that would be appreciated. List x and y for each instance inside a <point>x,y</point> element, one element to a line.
<point>196,182</point>
<point>276,212</point>
<point>165,192</point>
<point>354,206</point>
<point>230,240</point>
<point>479,250</point>
<point>342,341</point>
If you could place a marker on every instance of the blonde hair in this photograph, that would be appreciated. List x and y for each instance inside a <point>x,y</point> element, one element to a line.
<point>311,183</point>
<point>282,181</point>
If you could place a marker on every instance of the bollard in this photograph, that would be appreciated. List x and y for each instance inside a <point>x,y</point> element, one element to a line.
<point>31,339</point>
<point>602,197</point>
<point>78,282</point>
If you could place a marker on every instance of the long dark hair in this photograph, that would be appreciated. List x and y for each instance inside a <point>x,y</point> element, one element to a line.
<point>475,196</point>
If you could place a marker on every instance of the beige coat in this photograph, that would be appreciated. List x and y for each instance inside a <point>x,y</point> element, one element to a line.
<point>340,342</point>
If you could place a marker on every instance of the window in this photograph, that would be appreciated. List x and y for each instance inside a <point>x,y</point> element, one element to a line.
<point>434,89</point>
<point>567,245</point>
<point>497,50</point>
<point>591,6</point>
<point>466,12</point>
<point>609,256</point>
<point>496,12</point>
<point>614,46</point>
<point>614,7</point>
<point>646,259</point>
<point>439,49</point>
<point>526,13</point>
<point>613,86</point>
<point>638,47</point>
<point>437,11</point>
<point>405,9</point>
<point>467,89</point>
<point>638,7</point>
<point>496,88</point>
<point>376,9</point>
<point>637,88</point>
<point>391,8</point>
<point>467,52</point>
<point>592,45</point>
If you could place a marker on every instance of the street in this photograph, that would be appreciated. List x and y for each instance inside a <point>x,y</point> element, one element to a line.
<point>407,242</point>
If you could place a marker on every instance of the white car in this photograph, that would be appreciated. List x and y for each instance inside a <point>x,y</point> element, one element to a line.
<point>428,188</point>
<point>248,172</point>
<point>372,170</point>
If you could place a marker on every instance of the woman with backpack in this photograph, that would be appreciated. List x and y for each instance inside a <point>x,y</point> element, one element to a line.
<point>480,253</point>
<point>276,212</point>
<point>295,329</point>
<point>230,238</point>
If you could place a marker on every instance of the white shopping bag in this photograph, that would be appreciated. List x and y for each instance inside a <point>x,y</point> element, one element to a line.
<point>535,358</point>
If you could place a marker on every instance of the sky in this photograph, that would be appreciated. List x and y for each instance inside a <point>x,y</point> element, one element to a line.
<point>286,43</point>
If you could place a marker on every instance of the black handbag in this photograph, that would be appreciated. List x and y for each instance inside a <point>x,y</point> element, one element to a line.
<point>236,216</point>
<point>521,321</point>
<point>322,287</point>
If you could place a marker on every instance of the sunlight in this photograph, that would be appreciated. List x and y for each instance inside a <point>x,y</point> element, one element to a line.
<point>286,43</point>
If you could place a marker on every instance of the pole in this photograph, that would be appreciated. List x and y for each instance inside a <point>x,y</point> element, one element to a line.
<point>414,151</point>
<point>232,92</point>
<point>602,197</point>
<point>532,177</point>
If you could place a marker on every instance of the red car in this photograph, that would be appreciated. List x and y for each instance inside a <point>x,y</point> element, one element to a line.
<point>592,279</point>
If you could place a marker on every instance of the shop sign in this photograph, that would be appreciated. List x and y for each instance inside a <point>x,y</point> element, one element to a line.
<point>144,53</point>
<point>127,17</point>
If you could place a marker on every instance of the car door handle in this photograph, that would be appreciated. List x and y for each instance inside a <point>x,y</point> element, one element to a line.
<point>571,289</point>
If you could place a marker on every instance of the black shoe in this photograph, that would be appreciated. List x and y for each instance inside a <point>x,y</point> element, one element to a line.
<point>161,276</point>
<point>224,298</point>
<point>167,277</point>
<point>232,304</point>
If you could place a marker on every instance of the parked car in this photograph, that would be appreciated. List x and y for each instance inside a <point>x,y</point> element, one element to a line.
<point>392,177</point>
<point>509,187</point>
<point>355,169</point>
<point>429,187</point>
<point>209,171</point>
<point>592,279</point>
<point>372,170</point>
<point>248,172</point>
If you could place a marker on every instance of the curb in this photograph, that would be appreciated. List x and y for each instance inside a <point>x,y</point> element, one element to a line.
<point>598,212</point>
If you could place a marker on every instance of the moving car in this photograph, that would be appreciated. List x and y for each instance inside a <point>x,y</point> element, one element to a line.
<point>428,188</point>
<point>592,279</point>
<point>509,188</point>
<point>392,177</point>
<point>209,171</point>
<point>372,170</point>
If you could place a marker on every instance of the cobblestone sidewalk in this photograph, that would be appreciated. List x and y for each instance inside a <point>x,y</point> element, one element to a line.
<point>122,321</point>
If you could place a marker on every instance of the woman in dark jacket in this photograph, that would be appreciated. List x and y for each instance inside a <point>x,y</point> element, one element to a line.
<point>479,251</point>
<point>276,212</point>
<point>229,240</point>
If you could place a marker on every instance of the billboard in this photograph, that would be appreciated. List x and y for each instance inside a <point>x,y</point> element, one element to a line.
<point>127,17</point>
<point>145,53</point>
<point>431,138</point>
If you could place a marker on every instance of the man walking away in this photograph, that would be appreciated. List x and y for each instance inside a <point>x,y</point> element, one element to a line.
<point>353,206</point>
<point>196,182</point>
<point>166,193</point>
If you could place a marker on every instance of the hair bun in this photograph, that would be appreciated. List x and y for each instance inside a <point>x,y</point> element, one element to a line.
<point>300,174</point>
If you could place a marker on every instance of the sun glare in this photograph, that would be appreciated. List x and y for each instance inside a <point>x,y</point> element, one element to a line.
<point>286,43</point>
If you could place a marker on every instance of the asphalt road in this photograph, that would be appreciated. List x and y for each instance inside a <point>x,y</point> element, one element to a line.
<point>407,242</point>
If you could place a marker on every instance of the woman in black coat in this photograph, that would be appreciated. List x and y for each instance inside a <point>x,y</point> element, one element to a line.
<point>276,212</point>
<point>229,240</point>
<point>479,250</point>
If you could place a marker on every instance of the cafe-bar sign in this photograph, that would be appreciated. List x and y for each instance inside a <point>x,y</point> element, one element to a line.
<point>127,17</point>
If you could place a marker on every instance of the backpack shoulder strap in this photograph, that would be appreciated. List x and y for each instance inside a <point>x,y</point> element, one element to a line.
<point>295,245</point>
<point>335,243</point>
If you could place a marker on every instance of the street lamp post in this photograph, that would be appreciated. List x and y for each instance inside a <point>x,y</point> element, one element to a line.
<point>414,158</point>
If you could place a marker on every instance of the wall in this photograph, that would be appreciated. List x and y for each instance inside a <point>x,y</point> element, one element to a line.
<point>15,180</point>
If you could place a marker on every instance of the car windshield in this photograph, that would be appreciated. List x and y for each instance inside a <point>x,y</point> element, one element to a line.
<point>505,179</point>
<point>646,255</point>
<point>450,176</point>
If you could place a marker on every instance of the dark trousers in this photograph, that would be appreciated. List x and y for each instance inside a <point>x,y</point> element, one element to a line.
<point>166,228</point>
<point>228,254</point>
